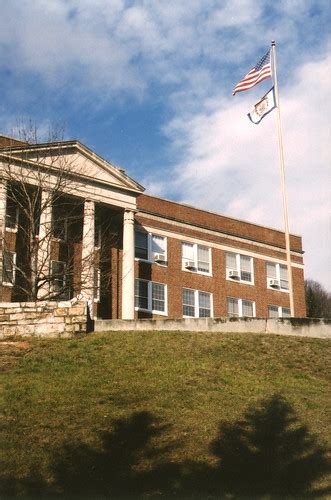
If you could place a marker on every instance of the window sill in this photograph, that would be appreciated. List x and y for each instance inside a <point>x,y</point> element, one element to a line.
<point>163,264</point>
<point>11,229</point>
<point>200,273</point>
<point>151,312</point>
<point>241,282</point>
<point>197,317</point>
<point>4,283</point>
<point>284,290</point>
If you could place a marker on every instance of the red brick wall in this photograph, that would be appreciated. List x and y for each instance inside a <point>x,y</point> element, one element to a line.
<point>181,212</point>
<point>176,278</point>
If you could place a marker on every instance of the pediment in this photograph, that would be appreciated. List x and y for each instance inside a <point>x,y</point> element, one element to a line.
<point>93,167</point>
<point>80,160</point>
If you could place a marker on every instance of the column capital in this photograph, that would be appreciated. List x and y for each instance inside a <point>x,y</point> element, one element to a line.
<point>129,216</point>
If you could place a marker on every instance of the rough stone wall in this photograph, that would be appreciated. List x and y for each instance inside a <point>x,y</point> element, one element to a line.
<point>42,319</point>
<point>301,327</point>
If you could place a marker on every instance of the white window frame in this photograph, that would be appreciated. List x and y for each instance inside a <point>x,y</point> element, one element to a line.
<point>150,298</point>
<point>240,307</point>
<point>13,260</point>
<point>238,269</point>
<point>280,311</point>
<point>150,253</point>
<point>97,284</point>
<point>15,228</point>
<point>269,278</point>
<point>195,269</point>
<point>196,303</point>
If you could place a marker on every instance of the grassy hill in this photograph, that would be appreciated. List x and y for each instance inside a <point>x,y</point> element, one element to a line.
<point>166,414</point>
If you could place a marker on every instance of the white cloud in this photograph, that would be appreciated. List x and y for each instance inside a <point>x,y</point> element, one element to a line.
<point>231,166</point>
<point>120,46</point>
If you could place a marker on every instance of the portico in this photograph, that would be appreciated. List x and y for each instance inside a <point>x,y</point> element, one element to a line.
<point>92,183</point>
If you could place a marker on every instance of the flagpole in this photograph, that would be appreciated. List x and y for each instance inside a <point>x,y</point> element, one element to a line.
<point>282,175</point>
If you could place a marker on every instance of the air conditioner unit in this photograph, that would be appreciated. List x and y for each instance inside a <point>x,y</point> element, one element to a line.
<point>159,257</point>
<point>274,283</point>
<point>189,264</point>
<point>233,274</point>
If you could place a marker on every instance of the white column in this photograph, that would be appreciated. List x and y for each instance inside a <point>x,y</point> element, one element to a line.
<point>87,275</point>
<point>41,272</point>
<point>128,266</point>
<point>3,203</point>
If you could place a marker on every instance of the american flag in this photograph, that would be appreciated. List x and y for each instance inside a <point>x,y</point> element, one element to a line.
<point>257,74</point>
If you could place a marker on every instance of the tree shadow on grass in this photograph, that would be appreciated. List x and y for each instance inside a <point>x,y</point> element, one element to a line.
<point>110,470</point>
<point>266,454</point>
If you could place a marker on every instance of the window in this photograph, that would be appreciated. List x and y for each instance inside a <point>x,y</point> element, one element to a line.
<point>12,213</point>
<point>196,304</point>
<point>8,267</point>
<point>58,275</point>
<point>97,236</point>
<point>61,211</point>
<point>277,277</point>
<point>240,308</point>
<point>278,312</point>
<point>196,258</point>
<point>151,247</point>
<point>97,281</point>
<point>59,227</point>
<point>239,267</point>
<point>150,296</point>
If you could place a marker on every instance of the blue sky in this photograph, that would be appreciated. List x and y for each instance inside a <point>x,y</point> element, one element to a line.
<point>147,84</point>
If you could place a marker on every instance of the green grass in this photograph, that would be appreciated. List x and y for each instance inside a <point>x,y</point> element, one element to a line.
<point>156,413</point>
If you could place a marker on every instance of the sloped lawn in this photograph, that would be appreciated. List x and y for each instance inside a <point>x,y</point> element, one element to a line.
<point>152,414</point>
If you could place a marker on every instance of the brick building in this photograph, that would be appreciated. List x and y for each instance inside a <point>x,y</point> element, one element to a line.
<point>94,233</point>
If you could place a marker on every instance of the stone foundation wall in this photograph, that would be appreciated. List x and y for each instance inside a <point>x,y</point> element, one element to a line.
<point>43,319</point>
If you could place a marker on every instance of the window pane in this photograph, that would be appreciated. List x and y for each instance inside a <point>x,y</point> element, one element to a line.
<point>141,294</point>
<point>245,263</point>
<point>158,244</point>
<point>58,275</point>
<point>271,270</point>
<point>203,259</point>
<point>57,268</point>
<point>141,245</point>
<point>188,302</point>
<point>230,260</point>
<point>247,308</point>
<point>97,278</point>
<point>283,277</point>
<point>286,313</point>
<point>273,311</point>
<point>158,297</point>
<point>204,305</point>
<point>8,267</point>
<point>97,236</point>
<point>244,276</point>
<point>204,299</point>
<point>11,214</point>
<point>59,228</point>
<point>233,309</point>
<point>188,251</point>
<point>283,272</point>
